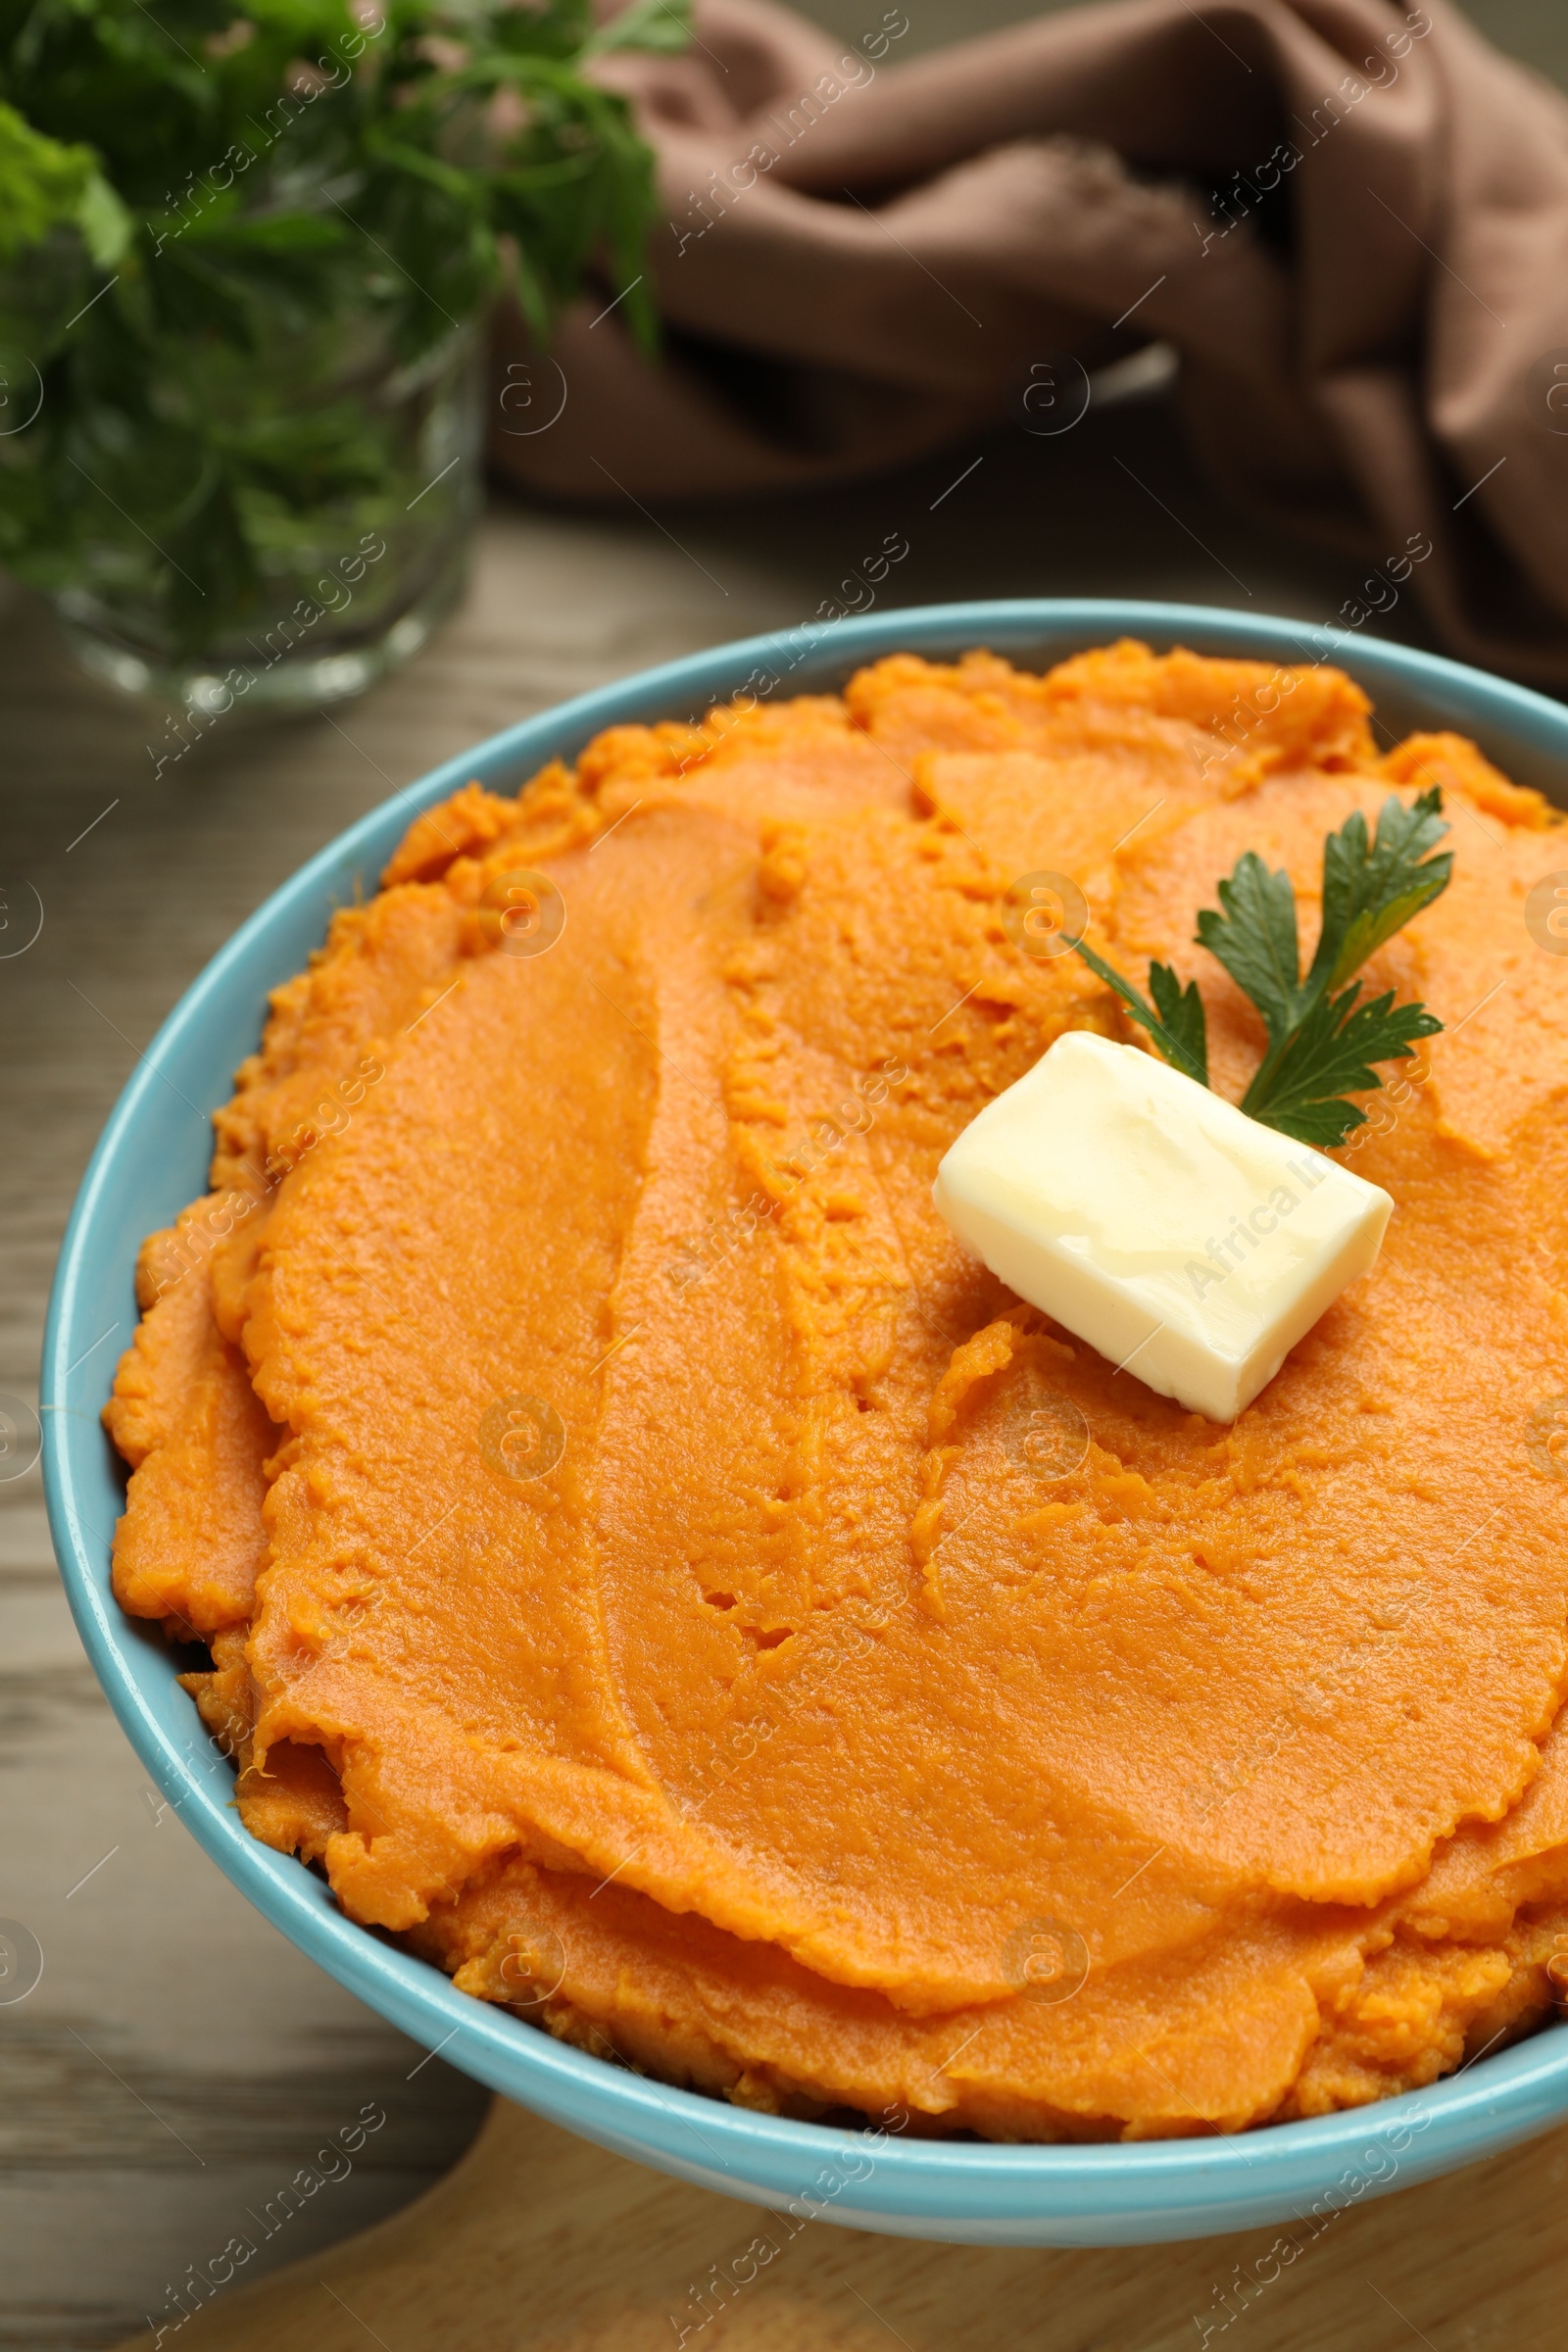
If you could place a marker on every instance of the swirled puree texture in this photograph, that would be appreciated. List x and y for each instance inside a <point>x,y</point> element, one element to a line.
<point>656,1573</point>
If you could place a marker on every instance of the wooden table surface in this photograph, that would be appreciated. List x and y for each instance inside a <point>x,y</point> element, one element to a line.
<point>178,2061</point>
<point>538,2243</point>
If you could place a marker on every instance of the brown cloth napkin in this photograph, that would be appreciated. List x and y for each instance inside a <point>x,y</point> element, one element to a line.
<point>1350,217</point>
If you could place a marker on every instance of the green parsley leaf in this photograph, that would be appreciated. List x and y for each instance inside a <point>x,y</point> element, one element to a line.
<point>1330,1054</point>
<point>45,184</point>
<point>219,227</point>
<point>1323,1041</point>
<point>1254,938</point>
<point>1370,894</point>
<point>1175,1020</point>
<point>664,25</point>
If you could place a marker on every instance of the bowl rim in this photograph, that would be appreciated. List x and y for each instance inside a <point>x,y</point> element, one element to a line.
<point>1072,2193</point>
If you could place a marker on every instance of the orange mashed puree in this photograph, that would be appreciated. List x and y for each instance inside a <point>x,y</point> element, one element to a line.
<point>635,1541</point>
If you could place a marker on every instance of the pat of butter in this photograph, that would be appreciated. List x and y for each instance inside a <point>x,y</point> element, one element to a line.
<point>1181,1238</point>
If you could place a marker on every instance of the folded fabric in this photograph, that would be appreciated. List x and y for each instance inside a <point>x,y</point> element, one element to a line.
<point>1349,218</point>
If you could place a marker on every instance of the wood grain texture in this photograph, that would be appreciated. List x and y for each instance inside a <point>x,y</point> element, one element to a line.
<point>179,2062</point>
<point>537,2243</point>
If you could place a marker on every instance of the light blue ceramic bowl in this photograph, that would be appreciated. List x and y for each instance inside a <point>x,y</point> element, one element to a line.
<point>152,1160</point>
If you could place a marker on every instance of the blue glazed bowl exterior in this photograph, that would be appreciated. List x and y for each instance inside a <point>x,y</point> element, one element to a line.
<point>153,1158</point>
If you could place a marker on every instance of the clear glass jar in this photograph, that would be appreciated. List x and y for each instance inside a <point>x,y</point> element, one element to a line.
<point>271,528</point>
<point>347,592</point>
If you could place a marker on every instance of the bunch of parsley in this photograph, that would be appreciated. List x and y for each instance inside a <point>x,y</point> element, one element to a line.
<point>222,223</point>
<point>1323,1039</point>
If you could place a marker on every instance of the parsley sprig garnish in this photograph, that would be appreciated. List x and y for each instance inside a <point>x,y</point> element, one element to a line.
<point>1323,1041</point>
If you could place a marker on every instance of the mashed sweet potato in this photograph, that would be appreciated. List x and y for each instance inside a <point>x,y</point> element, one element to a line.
<point>652,1569</point>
